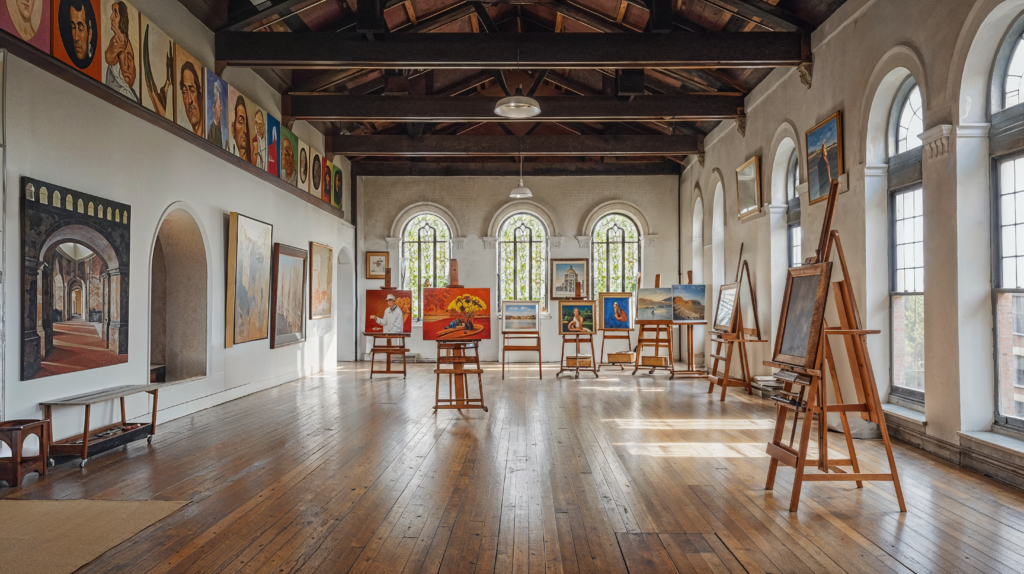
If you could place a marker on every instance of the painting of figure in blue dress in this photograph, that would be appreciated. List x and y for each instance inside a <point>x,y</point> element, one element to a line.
<point>616,311</point>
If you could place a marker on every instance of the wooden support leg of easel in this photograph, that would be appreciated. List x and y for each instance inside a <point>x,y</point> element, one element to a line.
<point>842,414</point>
<point>801,459</point>
<point>780,428</point>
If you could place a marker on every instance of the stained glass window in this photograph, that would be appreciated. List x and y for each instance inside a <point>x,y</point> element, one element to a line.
<point>426,248</point>
<point>522,258</point>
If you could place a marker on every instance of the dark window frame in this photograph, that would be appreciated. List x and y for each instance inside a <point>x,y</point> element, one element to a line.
<point>910,395</point>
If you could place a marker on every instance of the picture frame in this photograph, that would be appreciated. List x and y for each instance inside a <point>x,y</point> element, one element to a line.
<point>288,300</point>
<point>379,320</point>
<point>376,264</point>
<point>520,316</point>
<point>725,308</point>
<point>577,317</point>
<point>250,254</point>
<point>321,280</point>
<point>803,312</point>
<point>565,273</point>
<point>748,188</point>
<point>689,304</point>
<point>654,306</point>
<point>830,132</point>
<point>610,316</point>
<point>456,314</point>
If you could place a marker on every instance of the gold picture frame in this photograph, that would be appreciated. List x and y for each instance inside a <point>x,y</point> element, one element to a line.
<point>830,132</point>
<point>748,188</point>
<point>374,268</point>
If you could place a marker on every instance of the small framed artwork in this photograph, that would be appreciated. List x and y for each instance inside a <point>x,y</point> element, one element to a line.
<point>576,317</point>
<point>748,187</point>
<point>824,156</point>
<point>566,274</point>
<point>803,311</point>
<point>376,263</point>
<point>321,280</point>
<point>653,305</point>
<point>520,316</point>
<point>616,311</point>
<point>688,303</point>
<point>288,305</point>
<point>725,312</point>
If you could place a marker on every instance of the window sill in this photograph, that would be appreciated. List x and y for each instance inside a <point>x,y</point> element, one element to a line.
<point>905,415</point>
<point>994,442</point>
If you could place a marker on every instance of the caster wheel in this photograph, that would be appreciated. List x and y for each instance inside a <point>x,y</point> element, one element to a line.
<point>149,439</point>
<point>82,464</point>
<point>485,409</point>
<point>51,463</point>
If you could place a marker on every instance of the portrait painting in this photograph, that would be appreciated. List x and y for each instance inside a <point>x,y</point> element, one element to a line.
<point>616,311</point>
<point>289,156</point>
<point>76,35</point>
<point>27,20</point>
<point>376,263</point>
<point>321,280</point>
<point>688,303</point>
<point>576,317</point>
<point>75,276</point>
<point>257,134</point>
<point>239,116</point>
<point>388,311</point>
<point>302,179</point>
<point>157,82</point>
<point>520,316</point>
<point>339,186</point>
<point>273,145</point>
<point>189,101</point>
<point>456,314</point>
<point>824,156</point>
<point>725,311</point>
<point>120,43</point>
<point>653,304</point>
<point>217,110</point>
<point>803,313</point>
<point>748,188</point>
<point>287,307</point>
<point>328,181</point>
<point>316,173</point>
<point>566,274</point>
<point>250,256</point>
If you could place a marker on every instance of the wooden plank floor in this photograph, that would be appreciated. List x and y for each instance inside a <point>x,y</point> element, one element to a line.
<point>338,473</point>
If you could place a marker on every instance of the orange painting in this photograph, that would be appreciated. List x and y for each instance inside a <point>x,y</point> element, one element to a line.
<point>384,317</point>
<point>456,314</point>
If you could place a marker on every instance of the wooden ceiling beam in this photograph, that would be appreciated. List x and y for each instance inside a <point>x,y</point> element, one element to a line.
<point>243,14</point>
<point>513,145</point>
<point>540,168</point>
<point>769,14</point>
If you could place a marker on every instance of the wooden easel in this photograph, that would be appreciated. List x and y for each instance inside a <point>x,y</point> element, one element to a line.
<point>738,337</point>
<point>453,360</point>
<point>650,337</point>
<point>517,337</point>
<point>812,397</point>
<point>387,349</point>
<point>621,358</point>
<point>577,362</point>
<point>691,371</point>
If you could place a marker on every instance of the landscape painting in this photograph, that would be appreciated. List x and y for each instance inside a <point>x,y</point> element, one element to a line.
<point>27,20</point>
<point>616,311</point>
<point>388,311</point>
<point>456,314</point>
<point>824,166</point>
<point>250,250</point>
<point>653,304</point>
<point>576,317</point>
<point>74,283</point>
<point>520,316</point>
<point>566,274</point>
<point>288,306</point>
<point>688,303</point>
<point>321,280</point>
<point>157,82</point>
<point>119,40</point>
<point>75,38</point>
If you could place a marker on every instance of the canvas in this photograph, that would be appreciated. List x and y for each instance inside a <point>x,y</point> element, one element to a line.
<point>120,43</point>
<point>456,314</point>
<point>257,134</point>
<point>316,172</point>
<point>273,145</point>
<point>28,20</point>
<point>338,187</point>
<point>157,58</point>
<point>576,317</point>
<point>289,156</point>
<point>748,187</point>
<point>75,276</point>
<point>725,311</point>
<point>823,168</point>
<point>688,303</point>
<point>250,249</point>
<point>328,182</point>
<point>566,274</point>
<point>376,263</point>
<point>384,316</point>
<point>616,311</point>
<point>240,118</point>
<point>653,304</point>
<point>288,306</point>
<point>189,99</point>
<point>797,340</point>
<point>82,50</point>
<point>217,111</point>
<point>302,179</point>
<point>520,316</point>
<point>321,280</point>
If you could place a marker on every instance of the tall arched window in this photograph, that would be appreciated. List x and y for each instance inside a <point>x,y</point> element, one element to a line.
<point>522,258</point>
<point>426,248</point>
<point>792,176</point>
<point>907,118</point>
<point>615,254</point>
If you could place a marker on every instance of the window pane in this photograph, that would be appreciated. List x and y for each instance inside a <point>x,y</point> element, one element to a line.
<point>908,248</point>
<point>1010,341</point>
<point>908,341</point>
<point>522,258</point>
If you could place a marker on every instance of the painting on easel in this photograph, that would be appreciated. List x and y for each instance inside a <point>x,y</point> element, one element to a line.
<point>725,312</point>
<point>688,303</point>
<point>616,311</point>
<point>803,310</point>
<point>576,317</point>
<point>653,304</point>
<point>456,314</point>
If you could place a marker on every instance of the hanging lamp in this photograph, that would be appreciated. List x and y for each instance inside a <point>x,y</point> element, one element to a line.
<point>520,192</point>
<point>517,105</point>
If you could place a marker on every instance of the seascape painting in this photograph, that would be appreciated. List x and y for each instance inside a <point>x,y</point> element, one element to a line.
<point>249,273</point>
<point>456,314</point>
<point>321,280</point>
<point>287,308</point>
<point>616,311</point>
<point>688,303</point>
<point>520,316</point>
<point>824,156</point>
<point>654,304</point>
<point>388,311</point>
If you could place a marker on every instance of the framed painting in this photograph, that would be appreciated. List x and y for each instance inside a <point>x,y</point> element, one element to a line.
<point>302,167</point>
<point>388,311</point>
<point>376,263</point>
<point>725,311</point>
<point>824,156</point>
<point>688,303</point>
<point>289,159</point>
<point>189,102</point>
<point>119,40</point>
<point>616,311</point>
<point>29,21</point>
<point>338,187</point>
<point>566,274</point>
<point>257,134</point>
<point>217,109</point>
<point>456,314</point>
<point>157,58</point>
<point>328,182</point>
<point>241,120</point>
<point>316,173</point>
<point>273,145</point>
<point>576,317</point>
<point>748,187</point>
<point>288,306</point>
<point>81,51</point>
<point>653,304</point>
<point>803,311</point>
<point>250,253</point>
<point>520,316</point>
<point>321,280</point>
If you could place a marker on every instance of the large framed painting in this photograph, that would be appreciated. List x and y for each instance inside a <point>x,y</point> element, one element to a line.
<point>725,311</point>
<point>288,305</point>
<point>120,42</point>
<point>456,314</point>
<point>289,156</point>
<point>576,317</point>
<point>803,310</point>
<point>189,103</point>
<point>376,264</point>
<point>653,305</point>
<point>250,249</point>
<point>74,282</point>
<point>748,187</point>
<point>302,168</point>
<point>688,303</point>
<point>616,311</point>
<point>520,316</point>
<point>566,274</point>
<point>824,156</point>
<point>217,108</point>
<point>321,280</point>
<point>80,50</point>
<point>29,21</point>
<point>157,82</point>
<point>388,311</point>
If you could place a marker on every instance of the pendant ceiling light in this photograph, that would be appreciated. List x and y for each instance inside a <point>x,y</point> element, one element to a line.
<point>517,105</point>
<point>521,192</point>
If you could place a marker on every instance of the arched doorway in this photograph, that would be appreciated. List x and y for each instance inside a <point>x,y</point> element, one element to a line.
<point>347,297</point>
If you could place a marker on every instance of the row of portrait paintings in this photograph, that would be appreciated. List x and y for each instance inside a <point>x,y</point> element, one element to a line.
<point>449,314</point>
<point>266,294</point>
<point>113,43</point>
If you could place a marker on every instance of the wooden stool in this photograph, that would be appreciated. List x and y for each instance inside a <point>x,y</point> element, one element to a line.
<point>14,433</point>
<point>452,360</point>
<point>506,348</point>
<point>578,362</point>
<point>387,349</point>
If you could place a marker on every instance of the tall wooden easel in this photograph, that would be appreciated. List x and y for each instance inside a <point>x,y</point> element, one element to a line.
<point>650,337</point>
<point>812,396</point>
<point>735,339</point>
<point>576,363</point>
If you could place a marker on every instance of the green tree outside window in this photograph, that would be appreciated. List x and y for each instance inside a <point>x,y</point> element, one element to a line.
<point>426,249</point>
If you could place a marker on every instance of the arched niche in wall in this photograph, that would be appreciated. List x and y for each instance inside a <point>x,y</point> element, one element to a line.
<point>348,323</point>
<point>785,142</point>
<point>179,296</point>
<point>717,232</point>
<point>522,206</point>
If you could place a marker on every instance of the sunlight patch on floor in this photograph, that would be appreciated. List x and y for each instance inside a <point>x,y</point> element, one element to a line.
<point>698,449</point>
<point>695,424</point>
<point>622,389</point>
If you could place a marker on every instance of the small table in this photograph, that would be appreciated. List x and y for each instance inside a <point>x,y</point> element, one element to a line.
<point>387,349</point>
<point>507,336</point>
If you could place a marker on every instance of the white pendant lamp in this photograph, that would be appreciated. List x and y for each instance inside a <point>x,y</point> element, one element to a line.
<point>517,105</point>
<point>520,192</point>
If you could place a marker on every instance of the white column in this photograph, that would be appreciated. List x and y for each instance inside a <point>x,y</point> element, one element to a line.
<point>876,271</point>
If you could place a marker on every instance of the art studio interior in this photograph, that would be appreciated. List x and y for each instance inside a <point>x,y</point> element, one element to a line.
<point>595,286</point>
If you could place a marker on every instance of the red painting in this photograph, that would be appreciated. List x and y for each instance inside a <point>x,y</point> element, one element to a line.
<point>388,311</point>
<point>76,35</point>
<point>456,314</point>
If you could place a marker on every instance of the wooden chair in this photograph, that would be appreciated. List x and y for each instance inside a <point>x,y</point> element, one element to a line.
<point>14,433</point>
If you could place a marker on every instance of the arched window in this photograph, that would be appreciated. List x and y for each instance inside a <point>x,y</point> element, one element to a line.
<point>1014,71</point>
<point>426,248</point>
<point>907,120</point>
<point>615,254</point>
<point>522,258</point>
<point>792,176</point>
